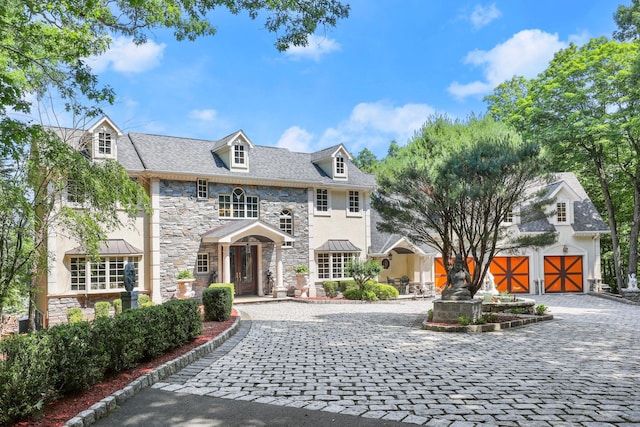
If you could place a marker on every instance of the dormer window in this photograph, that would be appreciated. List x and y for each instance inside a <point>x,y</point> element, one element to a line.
<point>239,156</point>
<point>340,166</point>
<point>104,143</point>
<point>561,212</point>
<point>508,217</point>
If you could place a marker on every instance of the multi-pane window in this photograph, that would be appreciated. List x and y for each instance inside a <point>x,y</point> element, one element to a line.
<point>104,143</point>
<point>508,217</point>
<point>354,202</point>
<point>76,192</point>
<point>238,205</point>
<point>322,200</point>
<point>561,211</point>
<point>239,155</point>
<point>107,273</point>
<point>340,168</point>
<point>332,265</point>
<point>286,225</point>
<point>202,263</point>
<point>79,274</point>
<point>202,189</point>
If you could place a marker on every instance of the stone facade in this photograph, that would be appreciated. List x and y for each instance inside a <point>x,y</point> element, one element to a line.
<point>184,218</point>
<point>451,311</point>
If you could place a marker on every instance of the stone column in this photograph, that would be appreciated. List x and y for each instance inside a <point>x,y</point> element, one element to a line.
<point>226,263</point>
<point>280,291</point>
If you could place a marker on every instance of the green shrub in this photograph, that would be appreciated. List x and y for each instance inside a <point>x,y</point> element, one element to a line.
<point>217,303</point>
<point>117,306</point>
<point>185,274</point>
<point>353,293</point>
<point>541,309</point>
<point>330,289</point>
<point>156,339</point>
<point>102,308</point>
<point>77,363</point>
<point>74,314</point>
<point>464,321</point>
<point>368,295</point>
<point>26,376</point>
<point>225,285</point>
<point>430,315</point>
<point>189,325</point>
<point>144,301</point>
<point>126,347</point>
<point>384,291</point>
<point>302,269</point>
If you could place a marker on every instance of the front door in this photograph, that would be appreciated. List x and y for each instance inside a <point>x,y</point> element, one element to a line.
<point>244,269</point>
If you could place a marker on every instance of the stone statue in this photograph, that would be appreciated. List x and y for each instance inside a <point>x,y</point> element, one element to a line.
<point>633,282</point>
<point>458,278</point>
<point>129,276</point>
<point>489,285</point>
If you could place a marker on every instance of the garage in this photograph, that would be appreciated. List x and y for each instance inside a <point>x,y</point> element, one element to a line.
<point>511,274</point>
<point>563,274</point>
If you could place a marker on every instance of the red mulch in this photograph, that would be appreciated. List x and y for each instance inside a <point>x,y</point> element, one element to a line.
<point>58,412</point>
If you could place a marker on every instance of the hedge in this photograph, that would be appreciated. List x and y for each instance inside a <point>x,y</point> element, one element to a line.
<point>71,357</point>
<point>217,300</point>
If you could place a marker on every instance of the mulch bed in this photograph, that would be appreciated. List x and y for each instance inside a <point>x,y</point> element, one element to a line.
<point>58,412</point>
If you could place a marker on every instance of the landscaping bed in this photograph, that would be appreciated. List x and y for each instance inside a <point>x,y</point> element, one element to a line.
<point>58,412</point>
<point>501,323</point>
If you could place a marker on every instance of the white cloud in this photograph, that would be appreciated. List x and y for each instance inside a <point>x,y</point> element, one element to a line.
<point>317,47</point>
<point>526,54</point>
<point>369,125</point>
<point>296,139</point>
<point>482,16</point>
<point>124,56</point>
<point>206,115</point>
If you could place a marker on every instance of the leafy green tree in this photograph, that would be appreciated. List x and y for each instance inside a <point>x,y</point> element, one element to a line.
<point>628,20</point>
<point>366,161</point>
<point>584,109</point>
<point>454,185</point>
<point>363,271</point>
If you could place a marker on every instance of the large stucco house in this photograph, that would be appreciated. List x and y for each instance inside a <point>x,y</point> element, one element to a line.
<point>230,210</point>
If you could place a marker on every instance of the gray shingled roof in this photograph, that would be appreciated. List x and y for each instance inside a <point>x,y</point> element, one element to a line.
<point>194,157</point>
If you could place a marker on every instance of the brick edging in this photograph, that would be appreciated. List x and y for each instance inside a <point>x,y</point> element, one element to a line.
<point>107,405</point>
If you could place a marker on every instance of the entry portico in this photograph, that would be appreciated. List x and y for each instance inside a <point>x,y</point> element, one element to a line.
<point>253,234</point>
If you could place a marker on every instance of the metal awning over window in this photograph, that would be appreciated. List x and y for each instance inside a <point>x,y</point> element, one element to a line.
<point>112,247</point>
<point>338,246</point>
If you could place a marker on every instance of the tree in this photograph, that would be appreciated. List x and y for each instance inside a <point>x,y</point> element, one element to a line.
<point>453,186</point>
<point>363,271</point>
<point>366,161</point>
<point>584,109</point>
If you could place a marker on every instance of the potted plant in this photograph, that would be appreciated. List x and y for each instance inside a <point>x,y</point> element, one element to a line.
<point>302,280</point>
<point>185,282</point>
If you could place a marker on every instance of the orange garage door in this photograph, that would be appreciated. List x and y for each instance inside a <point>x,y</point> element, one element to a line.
<point>511,274</point>
<point>563,274</point>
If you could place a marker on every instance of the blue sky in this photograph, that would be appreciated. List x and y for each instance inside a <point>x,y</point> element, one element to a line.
<point>377,76</point>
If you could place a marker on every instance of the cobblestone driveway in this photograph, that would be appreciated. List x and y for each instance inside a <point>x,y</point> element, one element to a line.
<point>372,360</point>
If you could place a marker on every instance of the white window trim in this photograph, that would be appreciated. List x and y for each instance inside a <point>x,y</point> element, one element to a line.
<point>107,269</point>
<point>245,204</point>
<point>113,136</point>
<point>331,264</point>
<point>348,204</point>
<point>568,212</point>
<point>286,244</point>
<point>342,174</point>
<point>315,202</point>
<point>234,164</point>
<point>204,255</point>
<point>202,183</point>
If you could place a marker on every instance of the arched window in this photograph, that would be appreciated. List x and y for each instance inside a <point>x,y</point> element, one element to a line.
<point>286,224</point>
<point>237,205</point>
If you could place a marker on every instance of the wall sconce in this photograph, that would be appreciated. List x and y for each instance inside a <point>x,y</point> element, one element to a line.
<point>565,249</point>
<point>390,256</point>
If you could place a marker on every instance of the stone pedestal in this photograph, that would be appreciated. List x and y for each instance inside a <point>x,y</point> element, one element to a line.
<point>129,300</point>
<point>450,311</point>
<point>632,294</point>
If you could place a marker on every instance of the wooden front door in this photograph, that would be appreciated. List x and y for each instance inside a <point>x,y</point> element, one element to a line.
<point>511,274</point>
<point>244,269</point>
<point>563,274</point>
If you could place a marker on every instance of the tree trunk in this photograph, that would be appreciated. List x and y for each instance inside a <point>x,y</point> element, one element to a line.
<point>613,225</point>
<point>635,230</point>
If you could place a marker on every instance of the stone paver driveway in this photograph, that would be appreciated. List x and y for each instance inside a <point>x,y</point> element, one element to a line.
<point>373,360</point>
